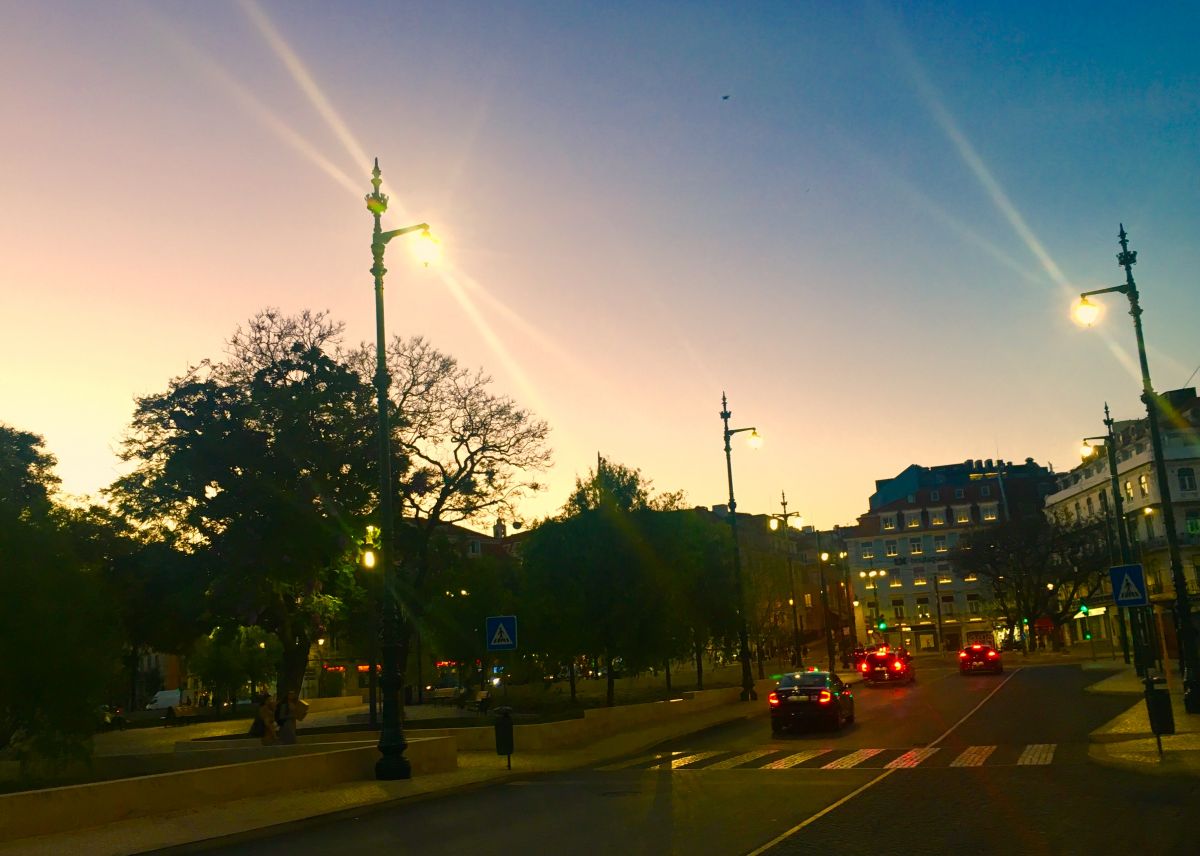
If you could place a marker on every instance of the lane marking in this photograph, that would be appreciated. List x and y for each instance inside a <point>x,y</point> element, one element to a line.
<point>973,756</point>
<point>1037,753</point>
<point>783,836</point>
<point>798,758</point>
<point>911,758</point>
<point>852,760</point>
<point>678,763</point>
<point>625,765</point>
<point>737,760</point>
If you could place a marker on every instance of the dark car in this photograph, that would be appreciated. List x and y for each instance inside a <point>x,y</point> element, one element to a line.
<point>810,698</point>
<point>980,658</point>
<point>888,666</point>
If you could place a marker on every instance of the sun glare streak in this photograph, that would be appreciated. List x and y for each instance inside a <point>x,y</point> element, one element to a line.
<point>209,68</point>
<point>933,101</point>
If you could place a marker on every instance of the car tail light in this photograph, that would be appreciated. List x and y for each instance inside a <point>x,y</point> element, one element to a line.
<point>962,655</point>
<point>898,666</point>
<point>773,699</point>
<point>865,666</point>
<point>993,654</point>
<point>826,697</point>
<point>976,647</point>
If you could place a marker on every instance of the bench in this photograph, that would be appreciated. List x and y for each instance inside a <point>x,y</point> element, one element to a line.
<point>444,695</point>
<point>482,699</point>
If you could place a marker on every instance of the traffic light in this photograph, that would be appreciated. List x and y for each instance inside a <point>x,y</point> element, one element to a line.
<point>1083,608</point>
<point>882,624</point>
<point>1087,635</point>
<point>1024,620</point>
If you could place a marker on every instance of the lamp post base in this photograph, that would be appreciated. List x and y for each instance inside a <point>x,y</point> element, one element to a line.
<point>390,767</point>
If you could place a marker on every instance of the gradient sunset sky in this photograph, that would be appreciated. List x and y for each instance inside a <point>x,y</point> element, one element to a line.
<point>872,244</point>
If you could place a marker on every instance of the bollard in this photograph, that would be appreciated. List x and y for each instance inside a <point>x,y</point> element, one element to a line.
<point>504,733</point>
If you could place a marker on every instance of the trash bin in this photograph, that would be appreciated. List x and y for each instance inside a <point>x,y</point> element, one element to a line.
<point>1158,705</point>
<point>504,733</point>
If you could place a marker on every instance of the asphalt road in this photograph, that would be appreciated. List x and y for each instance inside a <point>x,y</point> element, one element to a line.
<point>998,765</point>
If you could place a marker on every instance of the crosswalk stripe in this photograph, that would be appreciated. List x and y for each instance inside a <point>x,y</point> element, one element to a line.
<point>973,756</point>
<point>911,758</point>
<point>798,758</point>
<point>1037,753</point>
<point>852,760</point>
<point>625,765</point>
<point>737,760</point>
<point>679,763</point>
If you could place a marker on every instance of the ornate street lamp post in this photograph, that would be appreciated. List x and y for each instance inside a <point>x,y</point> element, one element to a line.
<point>780,522</point>
<point>392,763</point>
<point>1086,312</point>
<point>748,693</point>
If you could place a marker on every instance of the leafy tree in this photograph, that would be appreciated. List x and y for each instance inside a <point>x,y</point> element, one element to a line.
<point>233,657</point>
<point>60,622</point>
<point>261,466</point>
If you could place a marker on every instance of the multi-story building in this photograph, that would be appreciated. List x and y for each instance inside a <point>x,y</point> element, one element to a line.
<point>901,553</point>
<point>1085,493</point>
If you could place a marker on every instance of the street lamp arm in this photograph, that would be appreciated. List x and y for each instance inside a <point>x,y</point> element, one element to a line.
<point>1123,289</point>
<point>729,432</point>
<point>384,237</point>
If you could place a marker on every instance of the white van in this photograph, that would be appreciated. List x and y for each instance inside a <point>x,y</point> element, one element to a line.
<point>164,699</point>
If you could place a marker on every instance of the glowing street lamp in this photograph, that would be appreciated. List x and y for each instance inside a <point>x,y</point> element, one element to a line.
<point>1086,313</point>
<point>392,764</point>
<point>748,693</point>
<point>1185,629</point>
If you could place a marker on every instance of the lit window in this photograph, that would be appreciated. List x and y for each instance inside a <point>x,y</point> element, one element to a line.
<point>988,512</point>
<point>896,582</point>
<point>937,518</point>
<point>962,514</point>
<point>1187,478</point>
<point>920,580</point>
<point>889,521</point>
<point>939,543</point>
<point>914,546</point>
<point>913,519</point>
<point>970,578</point>
<point>1129,490</point>
<point>889,548</point>
<point>868,552</point>
<point>808,600</point>
<point>1144,484</point>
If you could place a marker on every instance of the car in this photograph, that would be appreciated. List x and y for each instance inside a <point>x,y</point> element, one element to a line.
<point>980,658</point>
<point>888,666</point>
<point>810,698</point>
<point>111,716</point>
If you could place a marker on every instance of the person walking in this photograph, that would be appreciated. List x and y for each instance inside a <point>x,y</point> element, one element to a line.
<point>285,718</point>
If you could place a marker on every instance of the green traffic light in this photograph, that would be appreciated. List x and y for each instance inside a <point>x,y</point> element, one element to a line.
<point>1087,636</point>
<point>1083,607</point>
<point>883,625</point>
<point>1024,620</point>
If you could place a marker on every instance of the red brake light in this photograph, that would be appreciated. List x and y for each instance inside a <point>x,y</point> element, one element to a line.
<point>864,666</point>
<point>826,697</point>
<point>962,655</point>
<point>898,666</point>
<point>773,699</point>
<point>992,654</point>
<point>976,647</point>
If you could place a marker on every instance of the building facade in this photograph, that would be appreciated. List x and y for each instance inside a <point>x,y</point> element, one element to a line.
<point>1085,494</point>
<point>902,552</point>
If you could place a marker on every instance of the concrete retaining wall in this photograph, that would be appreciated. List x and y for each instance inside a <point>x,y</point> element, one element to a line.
<point>52,810</point>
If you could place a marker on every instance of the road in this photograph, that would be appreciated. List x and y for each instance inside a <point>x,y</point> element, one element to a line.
<point>979,764</point>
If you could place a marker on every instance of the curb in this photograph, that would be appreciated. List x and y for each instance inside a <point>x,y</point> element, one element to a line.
<point>1171,763</point>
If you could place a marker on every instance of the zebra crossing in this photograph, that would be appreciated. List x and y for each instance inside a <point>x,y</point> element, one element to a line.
<point>830,758</point>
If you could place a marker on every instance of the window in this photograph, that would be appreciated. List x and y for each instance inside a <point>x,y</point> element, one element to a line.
<point>1091,510</point>
<point>973,604</point>
<point>868,551</point>
<point>934,496</point>
<point>959,493</point>
<point>919,580</point>
<point>898,609</point>
<point>1129,490</point>
<point>1144,484</point>
<point>988,512</point>
<point>473,548</point>
<point>889,548</point>
<point>1187,478</point>
<point>808,599</point>
<point>937,518</point>
<point>914,546</point>
<point>1149,518</point>
<point>962,514</point>
<point>939,543</point>
<point>947,604</point>
<point>1078,511</point>
<point>1103,500</point>
<point>896,582</point>
<point>985,490</point>
<point>913,519</point>
<point>970,578</point>
<point>922,607</point>
<point>1193,521</point>
<point>889,521</point>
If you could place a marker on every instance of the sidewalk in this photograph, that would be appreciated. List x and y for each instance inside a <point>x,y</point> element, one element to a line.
<point>265,815</point>
<point>1127,742</point>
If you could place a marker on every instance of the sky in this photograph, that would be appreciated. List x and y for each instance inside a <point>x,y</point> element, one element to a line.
<point>865,222</point>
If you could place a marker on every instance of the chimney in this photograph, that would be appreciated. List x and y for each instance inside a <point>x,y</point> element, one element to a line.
<point>988,463</point>
<point>979,465</point>
<point>499,531</point>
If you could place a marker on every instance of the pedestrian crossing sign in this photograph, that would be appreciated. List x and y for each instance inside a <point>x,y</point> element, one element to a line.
<point>501,632</point>
<point>1129,585</point>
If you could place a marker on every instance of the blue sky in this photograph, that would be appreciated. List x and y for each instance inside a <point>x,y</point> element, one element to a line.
<point>871,245</point>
